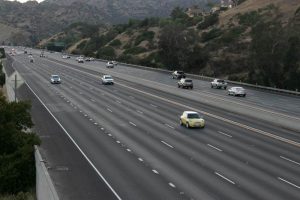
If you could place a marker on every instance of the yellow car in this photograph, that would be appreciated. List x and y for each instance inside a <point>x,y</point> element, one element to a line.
<point>192,119</point>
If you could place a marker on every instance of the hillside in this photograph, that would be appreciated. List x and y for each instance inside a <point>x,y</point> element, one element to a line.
<point>260,45</point>
<point>36,21</point>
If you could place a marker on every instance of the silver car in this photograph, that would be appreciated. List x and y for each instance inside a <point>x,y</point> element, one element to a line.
<point>237,91</point>
<point>110,64</point>
<point>55,79</point>
<point>107,80</point>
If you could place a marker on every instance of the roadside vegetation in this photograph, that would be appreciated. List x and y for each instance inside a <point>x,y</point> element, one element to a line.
<point>255,47</point>
<point>17,165</point>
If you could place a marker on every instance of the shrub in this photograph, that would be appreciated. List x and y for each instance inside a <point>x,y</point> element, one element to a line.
<point>148,35</point>
<point>135,50</point>
<point>232,34</point>
<point>249,18</point>
<point>2,79</point>
<point>214,33</point>
<point>107,52</point>
<point>82,44</point>
<point>209,21</point>
<point>115,43</point>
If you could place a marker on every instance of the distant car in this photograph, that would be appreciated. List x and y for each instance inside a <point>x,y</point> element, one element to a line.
<point>192,119</point>
<point>185,83</point>
<point>55,79</point>
<point>178,75</point>
<point>79,57</point>
<point>237,91</point>
<point>80,60</point>
<point>42,55</point>
<point>65,56</point>
<point>218,83</point>
<point>107,80</point>
<point>110,64</point>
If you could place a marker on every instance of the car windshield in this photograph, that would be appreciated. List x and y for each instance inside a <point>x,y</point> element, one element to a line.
<point>179,72</point>
<point>193,116</point>
<point>55,76</point>
<point>221,81</point>
<point>239,89</point>
<point>188,81</point>
<point>108,77</point>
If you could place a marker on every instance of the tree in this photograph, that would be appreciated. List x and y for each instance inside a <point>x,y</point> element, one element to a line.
<point>17,171</point>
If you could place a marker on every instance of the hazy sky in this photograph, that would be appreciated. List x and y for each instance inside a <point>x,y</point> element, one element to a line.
<point>25,0</point>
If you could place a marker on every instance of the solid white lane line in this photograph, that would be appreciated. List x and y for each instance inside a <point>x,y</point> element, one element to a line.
<point>225,134</point>
<point>118,142</point>
<point>167,144</point>
<point>77,146</point>
<point>128,150</point>
<point>140,159</point>
<point>154,171</point>
<point>227,179</point>
<point>290,160</point>
<point>214,147</point>
<point>292,184</point>
<point>109,135</point>
<point>169,126</point>
<point>118,101</point>
<point>109,110</point>
<point>172,185</point>
<point>133,124</point>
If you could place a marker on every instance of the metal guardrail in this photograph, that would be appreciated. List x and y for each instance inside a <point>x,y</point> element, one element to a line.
<point>206,78</point>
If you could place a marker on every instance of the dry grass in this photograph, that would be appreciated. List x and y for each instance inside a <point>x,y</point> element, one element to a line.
<point>286,7</point>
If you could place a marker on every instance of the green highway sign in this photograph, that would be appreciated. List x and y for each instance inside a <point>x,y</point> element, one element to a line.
<point>2,53</point>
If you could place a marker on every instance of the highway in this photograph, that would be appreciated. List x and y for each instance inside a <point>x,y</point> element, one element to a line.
<point>126,137</point>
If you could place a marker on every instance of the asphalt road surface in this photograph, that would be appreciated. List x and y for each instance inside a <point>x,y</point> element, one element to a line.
<point>124,141</point>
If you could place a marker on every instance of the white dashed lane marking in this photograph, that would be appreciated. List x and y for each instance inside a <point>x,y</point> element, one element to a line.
<point>216,148</point>
<point>290,160</point>
<point>225,178</point>
<point>225,134</point>
<point>288,182</point>
<point>165,143</point>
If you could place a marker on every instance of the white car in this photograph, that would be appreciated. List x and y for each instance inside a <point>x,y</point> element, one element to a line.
<point>110,64</point>
<point>107,80</point>
<point>237,91</point>
<point>219,83</point>
<point>80,60</point>
<point>55,79</point>
<point>65,57</point>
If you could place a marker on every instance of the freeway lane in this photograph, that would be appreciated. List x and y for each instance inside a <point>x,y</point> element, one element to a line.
<point>276,102</point>
<point>285,115</point>
<point>221,161</point>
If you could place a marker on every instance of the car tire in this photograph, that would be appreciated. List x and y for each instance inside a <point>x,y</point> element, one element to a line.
<point>211,86</point>
<point>181,122</point>
<point>178,86</point>
<point>187,125</point>
<point>244,95</point>
<point>191,87</point>
<point>225,88</point>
